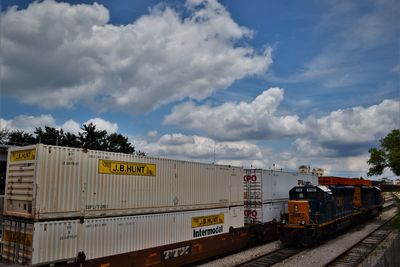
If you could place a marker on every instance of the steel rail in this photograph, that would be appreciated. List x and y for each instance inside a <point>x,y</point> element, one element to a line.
<point>273,257</point>
<point>358,252</point>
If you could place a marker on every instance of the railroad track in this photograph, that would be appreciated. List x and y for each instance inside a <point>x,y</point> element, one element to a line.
<point>351,257</point>
<point>357,253</point>
<point>388,205</point>
<point>272,257</point>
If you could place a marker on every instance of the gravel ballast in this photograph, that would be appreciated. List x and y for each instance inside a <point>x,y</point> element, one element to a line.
<point>317,256</point>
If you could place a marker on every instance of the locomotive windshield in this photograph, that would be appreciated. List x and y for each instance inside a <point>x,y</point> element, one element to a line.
<point>309,193</point>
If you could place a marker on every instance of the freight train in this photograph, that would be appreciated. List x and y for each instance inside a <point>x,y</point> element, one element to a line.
<point>77,207</point>
<point>316,212</point>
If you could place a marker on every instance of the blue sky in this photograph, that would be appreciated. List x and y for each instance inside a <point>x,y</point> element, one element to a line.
<point>247,83</point>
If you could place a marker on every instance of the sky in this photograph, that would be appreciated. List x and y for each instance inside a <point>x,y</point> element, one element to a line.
<point>264,84</point>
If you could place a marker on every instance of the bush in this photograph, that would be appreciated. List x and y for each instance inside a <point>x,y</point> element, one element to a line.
<point>396,221</point>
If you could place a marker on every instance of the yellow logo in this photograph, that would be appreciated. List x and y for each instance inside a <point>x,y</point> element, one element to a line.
<point>126,168</point>
<point>23,155</point>
<point>207,220</point>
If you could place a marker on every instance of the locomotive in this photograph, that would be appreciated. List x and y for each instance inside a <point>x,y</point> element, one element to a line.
<point>315,212</point>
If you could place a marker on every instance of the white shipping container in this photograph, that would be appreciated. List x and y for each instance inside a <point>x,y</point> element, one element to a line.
<point>266,190</point>
<point>271,185</point>
<point>48,182</point>
<point>265,212</point>
<point>54,241</point>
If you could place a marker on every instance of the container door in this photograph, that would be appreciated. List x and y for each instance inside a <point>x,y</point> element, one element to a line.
<point>252,196</point>
<point>17,242</point>
<point>20,179</point>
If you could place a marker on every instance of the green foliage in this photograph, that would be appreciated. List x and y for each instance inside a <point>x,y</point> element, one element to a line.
<point>20,138</point>
<point>396,221</point>
<point>89,138</point>
<point>4,135</point>
<point>92,138</point>
<point>70,140</point>
<point>50,136</point>
<point>119,143</point>
<point>388,156</point>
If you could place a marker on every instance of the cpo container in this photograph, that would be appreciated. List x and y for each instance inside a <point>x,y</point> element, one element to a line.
<point>46,182</point>
<point>37,243</point>
<point>266,192</point>
<point>265,213</point>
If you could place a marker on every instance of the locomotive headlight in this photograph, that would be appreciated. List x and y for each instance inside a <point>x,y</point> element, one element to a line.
<point>283,221</point>
<point>303,222</point>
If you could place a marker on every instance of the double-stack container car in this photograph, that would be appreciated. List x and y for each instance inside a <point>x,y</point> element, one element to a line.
<point>66,204</point>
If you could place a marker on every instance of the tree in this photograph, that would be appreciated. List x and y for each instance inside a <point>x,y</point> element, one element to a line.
<point>21,138</point>
<point>4,136</point>
<point>141,153</point>
<point>92,138</point>
<point>70,140</point>
<point>50,135</point>
<point>89,138</point>
<point>119,143</point>
<point>388,156</point>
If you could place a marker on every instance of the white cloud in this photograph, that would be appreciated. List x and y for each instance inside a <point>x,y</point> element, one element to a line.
<point>344,133</point>
<point>58,55</point>
<point>356,125</point>
<point>71,126</point>
<point>237,121</point>
<point>259,120</point>
<point>152,134</point>
<point>103,125</point>
<point>176,139</point>
<point>27,123</point>
<point>204,149</point>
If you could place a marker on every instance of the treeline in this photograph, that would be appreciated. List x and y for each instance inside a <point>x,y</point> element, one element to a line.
<point>89,138</point>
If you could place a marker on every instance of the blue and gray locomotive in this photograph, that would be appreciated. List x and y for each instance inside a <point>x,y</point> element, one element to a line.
<point>315,212</point>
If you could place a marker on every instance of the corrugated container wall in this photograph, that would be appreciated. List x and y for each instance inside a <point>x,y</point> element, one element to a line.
<point>55,241</point>
<point>266,192</point>
<point>47,182</point>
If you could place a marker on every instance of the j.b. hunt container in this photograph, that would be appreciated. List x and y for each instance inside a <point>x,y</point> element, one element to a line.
<point>266,192</point>
<point>47,182</point>
<point>36,243</point>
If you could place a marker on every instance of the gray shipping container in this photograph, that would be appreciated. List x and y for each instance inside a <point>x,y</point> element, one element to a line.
<point>49,182</point>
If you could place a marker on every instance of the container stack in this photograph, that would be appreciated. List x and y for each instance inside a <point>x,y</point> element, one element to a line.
<point>266,193</point>
<point>66,203</point>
